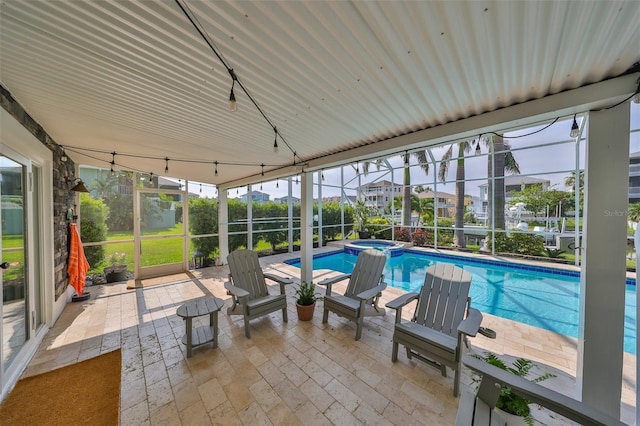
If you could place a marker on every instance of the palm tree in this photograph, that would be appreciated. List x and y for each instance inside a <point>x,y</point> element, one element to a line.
<point>503,160</point>
<point>570,180</point>
<point>421,157</point>
<point>463,148</point>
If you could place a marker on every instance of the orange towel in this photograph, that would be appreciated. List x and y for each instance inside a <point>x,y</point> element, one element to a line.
<point>78,265</point>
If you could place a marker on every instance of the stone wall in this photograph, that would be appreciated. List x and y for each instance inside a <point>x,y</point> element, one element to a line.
<point>63,198</point>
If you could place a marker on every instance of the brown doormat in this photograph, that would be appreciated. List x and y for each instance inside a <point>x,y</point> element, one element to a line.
<point>84,393</point>
<point>166,279</point>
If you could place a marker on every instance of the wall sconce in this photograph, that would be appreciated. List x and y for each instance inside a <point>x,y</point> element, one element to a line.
<point>78,184</point>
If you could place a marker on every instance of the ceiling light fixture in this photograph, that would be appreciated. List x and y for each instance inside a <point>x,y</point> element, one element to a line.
<point>575,129</point>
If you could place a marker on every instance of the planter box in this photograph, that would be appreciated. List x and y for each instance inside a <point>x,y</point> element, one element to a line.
<point>115,273</point>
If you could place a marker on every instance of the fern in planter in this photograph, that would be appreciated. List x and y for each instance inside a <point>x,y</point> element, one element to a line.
<point>509,401</point>
<point>306,294</point>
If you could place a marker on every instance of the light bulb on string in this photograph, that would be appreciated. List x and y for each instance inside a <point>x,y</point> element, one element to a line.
<point>575,130</point>
<point>275,140</point>
<point>277,183</point>
<point>113,162</point>
<point>64,157</point>
<point>201,188</point>
<point>322,174</point>
<point>478,151</point>
<point>232,97</point>
<point>166,164</point>
<point>216,168</point>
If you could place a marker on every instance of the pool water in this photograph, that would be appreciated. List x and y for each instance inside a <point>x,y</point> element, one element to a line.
<point>539,296</point>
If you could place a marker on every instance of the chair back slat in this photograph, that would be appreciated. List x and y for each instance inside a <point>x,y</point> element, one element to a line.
<point>443,298</point>
<point>246,273</point>
<point>367,273</point>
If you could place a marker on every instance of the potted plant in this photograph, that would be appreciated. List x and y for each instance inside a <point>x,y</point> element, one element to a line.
<point>117,269</point>
<point>510,403</point>
<point>306,302</point>
<point>361,216</point>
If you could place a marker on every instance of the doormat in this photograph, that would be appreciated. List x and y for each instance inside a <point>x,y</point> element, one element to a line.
<point>84,393</point>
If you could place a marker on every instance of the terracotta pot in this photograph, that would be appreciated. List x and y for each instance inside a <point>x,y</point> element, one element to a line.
<point>305,312</point>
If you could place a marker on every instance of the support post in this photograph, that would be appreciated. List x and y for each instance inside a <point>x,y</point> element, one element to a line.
<point>603,277</point>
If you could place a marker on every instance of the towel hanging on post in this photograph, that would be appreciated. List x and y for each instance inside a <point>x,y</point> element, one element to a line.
<point>78,265</point>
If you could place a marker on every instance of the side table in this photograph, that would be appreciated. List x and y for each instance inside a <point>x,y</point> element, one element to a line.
<point>205,334</point>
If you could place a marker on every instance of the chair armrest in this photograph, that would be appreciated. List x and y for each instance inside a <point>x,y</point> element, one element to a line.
<point>372,292</point>
<point>236,291</point>
<point>399,302</point>
<point>333,280</point>
<point>471,323</point>
<point>554,401</point>
<point>278,279</point>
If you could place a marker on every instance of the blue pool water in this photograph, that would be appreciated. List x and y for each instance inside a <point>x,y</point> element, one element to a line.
<point>543,297</point>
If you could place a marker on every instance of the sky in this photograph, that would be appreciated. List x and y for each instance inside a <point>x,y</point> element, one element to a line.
<point>551,162</point>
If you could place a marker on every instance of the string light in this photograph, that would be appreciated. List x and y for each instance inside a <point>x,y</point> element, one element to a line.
<point>275,140</point>
<point>64,155</point>
<point>113,162</point>
<point>260,185</point>
<point>406,158</point>
<point>575,130</point>
<point>215,173</point>
<point>358,168</point>
<point>478,151</point>
<point>277,183</point>
<point>201,188</point>
<point>322,174</point>
<point>166,164</point>
<point>262,169</point>
<point>232,97</point>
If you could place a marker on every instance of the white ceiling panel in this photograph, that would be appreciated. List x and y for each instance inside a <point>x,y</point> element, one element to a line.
<point>137,79</point>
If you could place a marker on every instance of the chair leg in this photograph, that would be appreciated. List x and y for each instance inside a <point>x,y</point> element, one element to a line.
<point>284,314</point>
<point>394,352</point>
<point>247,331</point>
<point>456,382</point>
<point>443,370</point>
<point>359,328</point>
<point>325,316</point>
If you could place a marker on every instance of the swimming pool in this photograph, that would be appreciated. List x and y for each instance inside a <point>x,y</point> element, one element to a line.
<point>536,295</point>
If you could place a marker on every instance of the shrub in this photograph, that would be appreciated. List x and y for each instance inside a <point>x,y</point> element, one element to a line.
<point>422,237</point>
<point>380,228</point>
<point>403,234</point>
<point>203,219</point>
<point>93,227</point>
<point>525,244</point>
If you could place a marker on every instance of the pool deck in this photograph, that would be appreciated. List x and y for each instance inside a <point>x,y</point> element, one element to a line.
<point>287,373</point>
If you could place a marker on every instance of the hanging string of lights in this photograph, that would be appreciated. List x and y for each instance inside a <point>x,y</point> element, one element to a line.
<point>234,77</point>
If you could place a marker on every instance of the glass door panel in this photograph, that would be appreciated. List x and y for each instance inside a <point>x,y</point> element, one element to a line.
<point>14,268</point>
<point>161,233</point>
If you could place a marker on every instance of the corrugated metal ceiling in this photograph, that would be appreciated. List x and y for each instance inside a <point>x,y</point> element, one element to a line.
<point>136,78</point>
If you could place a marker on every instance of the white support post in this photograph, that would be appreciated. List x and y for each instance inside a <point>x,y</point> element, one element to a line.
<point>306,227</point>
<point>604,242</point>
<point>223,227</point>
<point>249,217</point>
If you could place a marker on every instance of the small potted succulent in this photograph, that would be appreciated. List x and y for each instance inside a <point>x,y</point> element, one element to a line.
<point>306,302</point>
<point>513,405</point>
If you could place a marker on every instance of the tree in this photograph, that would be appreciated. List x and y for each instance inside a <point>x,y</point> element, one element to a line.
<point>503,160</point>
<point>463,148</point>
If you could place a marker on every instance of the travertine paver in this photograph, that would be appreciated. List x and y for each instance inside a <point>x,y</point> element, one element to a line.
<point>287,373</point>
